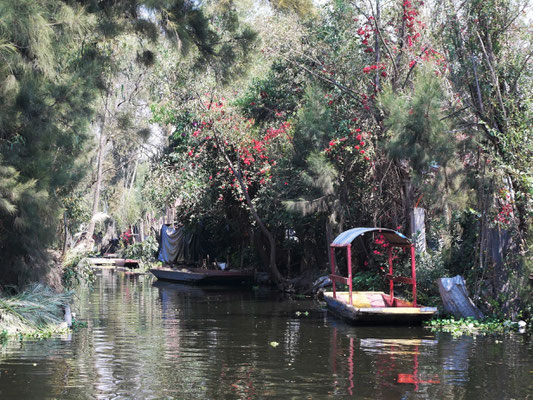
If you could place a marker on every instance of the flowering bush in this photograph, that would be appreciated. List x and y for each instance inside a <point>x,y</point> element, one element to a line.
<point>126,237</point>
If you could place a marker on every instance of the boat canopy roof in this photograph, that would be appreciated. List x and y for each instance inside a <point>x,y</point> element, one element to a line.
<point>393,237</point>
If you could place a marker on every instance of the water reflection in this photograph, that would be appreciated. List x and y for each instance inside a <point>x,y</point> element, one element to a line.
<point>153,340</point>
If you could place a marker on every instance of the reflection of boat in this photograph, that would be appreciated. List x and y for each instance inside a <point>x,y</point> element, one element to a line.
<point>172,287</point>
<point>203,276</point>
<point>395,355</point>
<point>375,307</point>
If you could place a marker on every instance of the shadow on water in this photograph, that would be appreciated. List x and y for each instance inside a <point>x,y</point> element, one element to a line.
<point>158,340</point>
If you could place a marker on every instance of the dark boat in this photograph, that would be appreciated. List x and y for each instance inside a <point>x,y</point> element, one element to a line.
<point>375,307</point>
<point>201,276</point>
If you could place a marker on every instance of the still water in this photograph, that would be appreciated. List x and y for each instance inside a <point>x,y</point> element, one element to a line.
<point>151,340</point>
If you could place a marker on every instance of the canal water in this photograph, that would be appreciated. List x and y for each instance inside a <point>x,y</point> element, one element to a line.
<point>152,340</point>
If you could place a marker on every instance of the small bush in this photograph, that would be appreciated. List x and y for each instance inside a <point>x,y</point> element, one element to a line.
<point>368,281</point>
<point>76,269</point>
<point>429,268</point>
<point>145,251</point>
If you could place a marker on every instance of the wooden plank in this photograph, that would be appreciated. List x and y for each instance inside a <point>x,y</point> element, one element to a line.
<point>399,279</point>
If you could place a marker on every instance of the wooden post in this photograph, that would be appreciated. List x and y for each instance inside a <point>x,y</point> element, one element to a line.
<point>413,273</point>
<point>349,255</point>
<point>332,262</point>
<point>391,282</point>
<point>141,230</point>
<point>418,229</point>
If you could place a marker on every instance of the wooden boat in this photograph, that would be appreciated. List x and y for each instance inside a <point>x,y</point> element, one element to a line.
<point>104,262</point>
<point>203,276</point>
<point>370,308</point>
<point>375,307</point>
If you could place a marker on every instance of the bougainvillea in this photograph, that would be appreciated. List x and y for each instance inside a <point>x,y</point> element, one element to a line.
<point>222,131</point>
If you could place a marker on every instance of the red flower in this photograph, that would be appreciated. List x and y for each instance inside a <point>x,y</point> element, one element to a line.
<point>383,74</point>
<point>412,63</point>
<point>362,152</point>
<point>359,137</point>
<point>366,70</point>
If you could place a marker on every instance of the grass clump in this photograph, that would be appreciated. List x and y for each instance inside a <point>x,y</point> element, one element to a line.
<point>36,312</point>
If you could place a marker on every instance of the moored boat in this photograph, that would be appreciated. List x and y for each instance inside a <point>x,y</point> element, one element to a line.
<point>203,276</point>
<point>375,307</point>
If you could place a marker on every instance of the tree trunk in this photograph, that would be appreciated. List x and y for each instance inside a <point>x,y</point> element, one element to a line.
<point>276,277</point>
<point>98,185</point>
<point>455,298</point>
<point>66,237</point>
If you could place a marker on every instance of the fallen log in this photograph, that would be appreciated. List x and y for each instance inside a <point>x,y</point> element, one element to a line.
<point>455,298</point>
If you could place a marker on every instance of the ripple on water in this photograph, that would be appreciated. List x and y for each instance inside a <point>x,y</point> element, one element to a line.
<point>167,341</point>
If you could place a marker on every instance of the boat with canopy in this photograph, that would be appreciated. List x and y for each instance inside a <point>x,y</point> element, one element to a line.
<point>375,307</point>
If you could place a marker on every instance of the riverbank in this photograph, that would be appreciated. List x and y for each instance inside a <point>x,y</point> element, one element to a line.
<point>36,312</point>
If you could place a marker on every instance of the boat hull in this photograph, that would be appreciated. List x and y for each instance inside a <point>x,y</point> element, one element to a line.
<point>367,309</point>
<point>203,276</point>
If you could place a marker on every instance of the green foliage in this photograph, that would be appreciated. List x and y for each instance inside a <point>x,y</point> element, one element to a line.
<point>430,266</point>
<point>419,133</point>
<point>144,251</point>
<point>277,94</point>
<point>76,210</point>
<point>315,126</point>
<point>368,281</point>
<point>464,232</point>
<point>44,116</point>
<point>77,325</point>
<point>76,269</point>
<point>319,178</point>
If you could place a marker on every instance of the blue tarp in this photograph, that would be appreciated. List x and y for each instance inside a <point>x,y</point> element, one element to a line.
<point>172,244</point>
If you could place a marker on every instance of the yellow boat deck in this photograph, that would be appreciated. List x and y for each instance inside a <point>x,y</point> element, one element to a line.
<point>372,305</point>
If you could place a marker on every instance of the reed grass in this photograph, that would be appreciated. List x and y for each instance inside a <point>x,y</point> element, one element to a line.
<point>33,311</point>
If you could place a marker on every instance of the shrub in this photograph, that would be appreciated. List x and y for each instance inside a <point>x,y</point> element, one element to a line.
<point>76,269</point>
<point>144,251</point>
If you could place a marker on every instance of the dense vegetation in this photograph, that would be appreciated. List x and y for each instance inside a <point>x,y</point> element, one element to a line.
<point>268,128</point>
